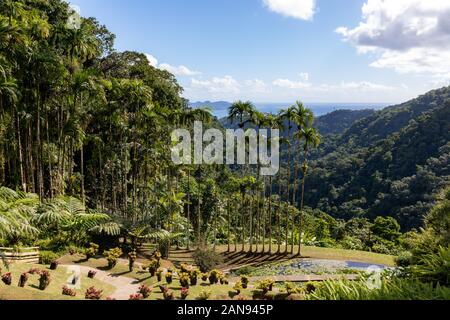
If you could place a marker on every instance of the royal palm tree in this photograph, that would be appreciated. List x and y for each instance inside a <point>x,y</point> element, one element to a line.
<point>288,116</point>
<point>311,138</point>
<point>303,118</point>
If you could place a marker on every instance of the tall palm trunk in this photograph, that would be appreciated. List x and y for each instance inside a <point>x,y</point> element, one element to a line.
<point>288,187</point>
<point>302,201</point>
<point>270,215</point>
<point>229,225</point>
<point>188,210</point>
<point>293,204</point>
<point>243,223</point>
<point>280,211</point>
<point>19,140</point>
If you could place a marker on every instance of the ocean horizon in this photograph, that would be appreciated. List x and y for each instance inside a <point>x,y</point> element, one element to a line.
<point>220,108</point>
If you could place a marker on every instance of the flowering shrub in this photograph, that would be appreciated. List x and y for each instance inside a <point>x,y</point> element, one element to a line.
<point>7,278</point>
<point>169,276</point>
<point>132,256</point>
<point>93,294</point>
<point>91,274</point>
<point>54,265</point>
<point>23,279</point>
<point>238,287</point>
<point>112,256</point>
<point>145,291</point>
<point>184,293</point>
<point>266,285</point>
<point>204,295</point>
<point>193,276</point>
<point>244,280</point>
<point>168,294</point>
<point>91,251</point>
<point>44,279</point>
<point>185,268</point>
<point>153,266</point>
<point>66,291</point>
<point>159,273</point>
<point>136,296</point>
<point>214,276</point>
<point>184,280</point>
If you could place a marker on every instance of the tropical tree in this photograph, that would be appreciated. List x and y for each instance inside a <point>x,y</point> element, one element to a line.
<point>311,138</point>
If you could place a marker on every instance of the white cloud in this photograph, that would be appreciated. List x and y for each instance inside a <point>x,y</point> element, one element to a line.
<point>286,83</point>
<point>178,71</point>
<point>152,60</point>
<point>299,9</point>
<point>229,89</point>
<point>226,84</point>
<point>409,36</point>
<point>257,86</point>
<point>304,76</point>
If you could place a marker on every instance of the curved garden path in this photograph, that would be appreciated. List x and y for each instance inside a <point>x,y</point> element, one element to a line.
<point>124,286</point>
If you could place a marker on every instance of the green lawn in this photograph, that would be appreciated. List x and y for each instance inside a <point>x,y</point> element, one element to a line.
<point>58,278</point>
<point>319,253</point>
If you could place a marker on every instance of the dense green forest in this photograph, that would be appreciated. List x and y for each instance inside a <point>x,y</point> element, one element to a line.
<point>85,142</point>
<point>390,163</point>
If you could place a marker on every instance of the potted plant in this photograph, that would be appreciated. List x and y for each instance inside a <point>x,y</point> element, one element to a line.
<point>66,291</point>
<point>91,274</point>
<point>92,250</point>
<point>136,297</point>
<point>184,293</point>
<point>157,255</point>
<point>112,256</point>
<point>168,294</point>
<point>244,281</point>
<point>93,294</point>
<point>169,277</point>
<point>23,279</point>
<point>214,276</point>
<point>264,286</point>
<point>159,273</point>
<point>7,278</point>
<point>184,280</point>
<point>145,291</point>
<point>204,295</point>
<point>238,287</point>
<point>193,276</point>
<point>132,256</point>
<point>54,265</point>
<point>44,279</point>
<point>153,267</point>
<point>185,268</point>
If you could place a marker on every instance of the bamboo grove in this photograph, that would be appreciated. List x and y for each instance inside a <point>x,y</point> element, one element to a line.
<point>79,119</point>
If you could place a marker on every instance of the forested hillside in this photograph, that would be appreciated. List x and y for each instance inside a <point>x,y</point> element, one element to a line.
<point>337,122</point>
<point>390,163</point>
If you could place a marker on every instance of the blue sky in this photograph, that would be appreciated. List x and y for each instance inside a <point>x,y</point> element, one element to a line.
<point>284,50</point>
